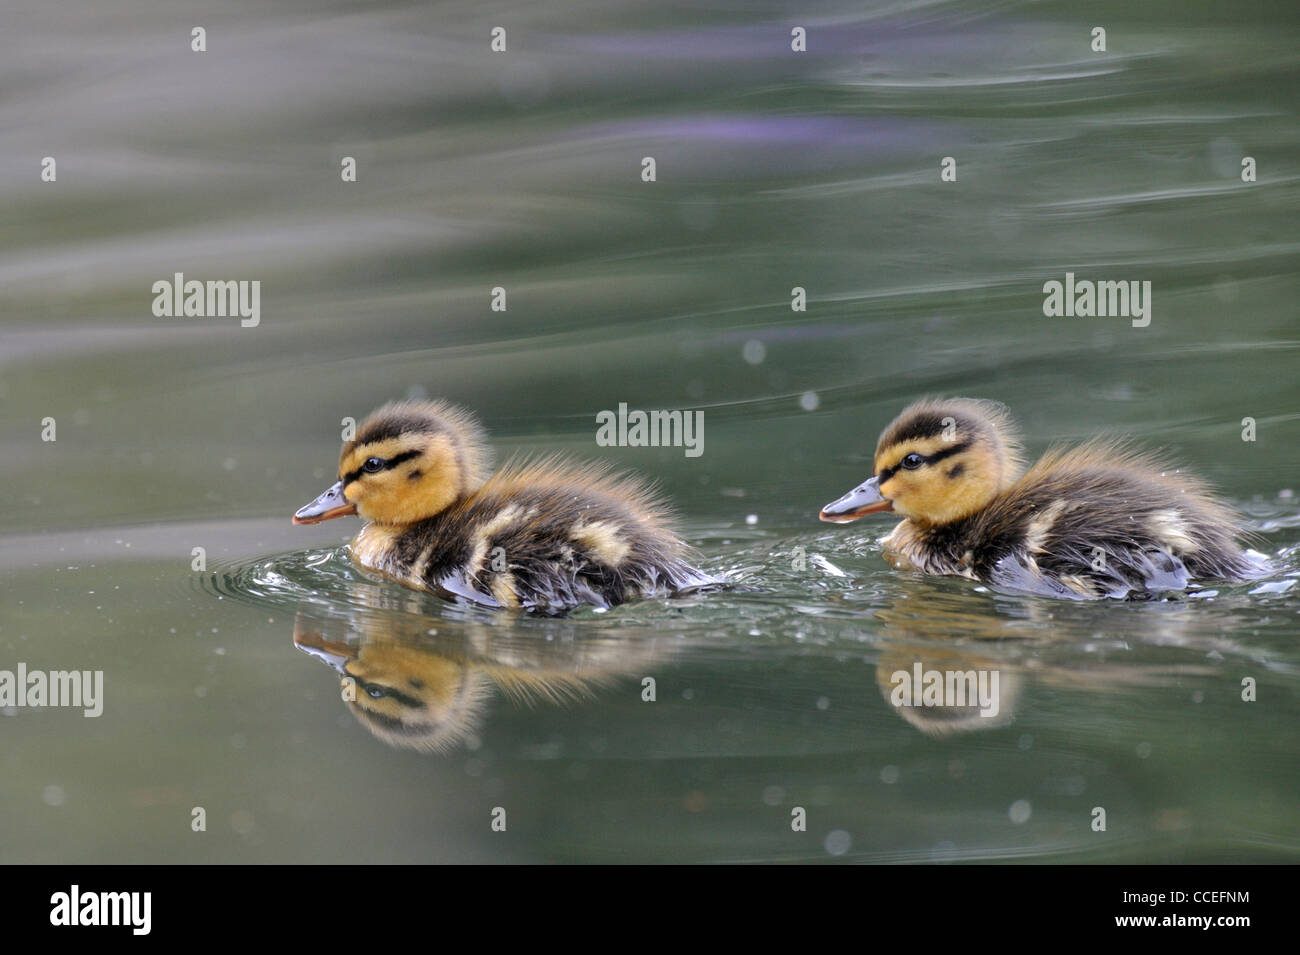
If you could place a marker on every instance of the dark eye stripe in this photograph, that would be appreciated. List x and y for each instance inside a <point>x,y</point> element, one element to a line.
<point>391,463</point>
<point>388,691</point>
<point>939,455</point>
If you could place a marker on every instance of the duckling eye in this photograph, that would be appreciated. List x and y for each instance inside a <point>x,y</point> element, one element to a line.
<point>375,692</point>
<point>912,461</point>
<point>372,465</point>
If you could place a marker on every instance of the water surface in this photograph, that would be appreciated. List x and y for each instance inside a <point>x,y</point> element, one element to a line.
<point>522,170</point>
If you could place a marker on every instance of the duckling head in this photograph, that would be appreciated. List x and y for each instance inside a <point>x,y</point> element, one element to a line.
<point>408,696</point>
<point>409,461</point>
<point>942,459</point>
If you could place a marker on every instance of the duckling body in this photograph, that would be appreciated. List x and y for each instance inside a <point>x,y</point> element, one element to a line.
<point>1100,520</point>
<point>543,536</point>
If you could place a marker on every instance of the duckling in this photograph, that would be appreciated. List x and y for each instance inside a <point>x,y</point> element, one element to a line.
<point>415,688</point>
<point>404,696</point>
<point>1104,519</point>
<point>545,535</point>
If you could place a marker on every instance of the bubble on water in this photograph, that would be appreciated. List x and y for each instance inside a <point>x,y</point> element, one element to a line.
<point>810,401</point>
<point>1026,742</point>
<point>1143,750</point>
<point>838,842</point>
<point>1020,811</point>
<point>889,775</point>
<point>229,464</point>
<point>53,795</point>
<point>754,352</point>
<point>773,795</point>
<point>241,820</point>
<point>751,519</point>
<point>823,702</point>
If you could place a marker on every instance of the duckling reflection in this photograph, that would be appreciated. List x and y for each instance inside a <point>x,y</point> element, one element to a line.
<point>947,690</point>
<point>414,688</point>
<point>948,670</point>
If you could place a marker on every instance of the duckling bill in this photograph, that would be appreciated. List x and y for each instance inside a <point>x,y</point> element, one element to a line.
<point>546,535</point>
<point>1100,520</point>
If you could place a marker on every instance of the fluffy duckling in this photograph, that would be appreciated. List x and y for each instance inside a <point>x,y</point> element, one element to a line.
<point>1100,520</point>
<point>544,535</point>
<point>416,689</point>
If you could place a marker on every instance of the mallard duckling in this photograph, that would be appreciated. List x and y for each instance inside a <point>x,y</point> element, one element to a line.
<point>545,535</point>
<point>1100,520</point>
<point>403,695</point>
<point>415,688</point>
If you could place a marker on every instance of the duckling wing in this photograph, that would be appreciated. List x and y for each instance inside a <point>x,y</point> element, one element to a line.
<point>1016,573</point>
<point>1114,530</point>
<point>457,584</point>
<point>548,537</point>
<point>1132,574</point>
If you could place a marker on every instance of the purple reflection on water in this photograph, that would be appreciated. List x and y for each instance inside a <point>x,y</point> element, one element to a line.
<point>928,39</point>
<point>857,133</point>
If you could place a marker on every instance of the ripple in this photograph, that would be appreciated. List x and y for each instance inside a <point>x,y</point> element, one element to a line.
<point>325,580</point>
<point>816,591</point>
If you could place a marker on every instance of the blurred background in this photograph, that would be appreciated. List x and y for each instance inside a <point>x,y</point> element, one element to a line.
<point>522,170</point>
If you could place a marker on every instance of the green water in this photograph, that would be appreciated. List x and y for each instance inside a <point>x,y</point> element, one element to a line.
<point>523,170</point>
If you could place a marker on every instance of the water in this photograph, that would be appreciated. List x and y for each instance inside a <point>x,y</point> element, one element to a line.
<point>522,170</point>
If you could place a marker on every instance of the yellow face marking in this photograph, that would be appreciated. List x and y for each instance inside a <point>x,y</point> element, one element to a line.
<point>413,490</point>
<point>388,448</point>
<point>433,688</point>
<point>891,456</point>
<point>945,490</point>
